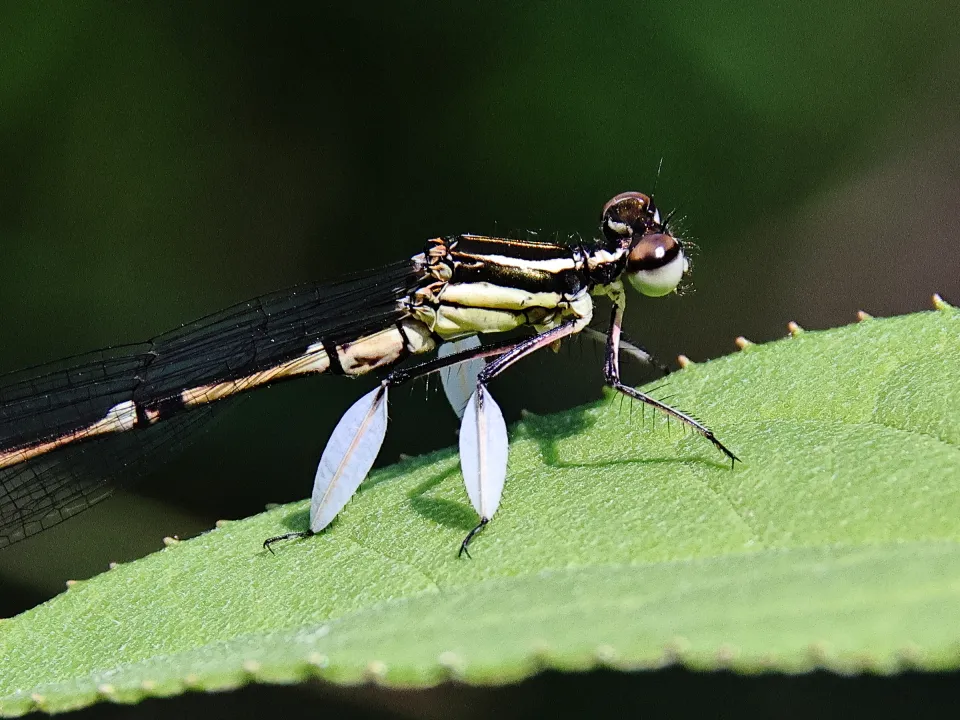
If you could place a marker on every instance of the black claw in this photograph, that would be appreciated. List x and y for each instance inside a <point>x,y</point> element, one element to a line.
<point>469,537</point>
<point>722,448</point>
<point>733,458</point>
<point>267,544</point>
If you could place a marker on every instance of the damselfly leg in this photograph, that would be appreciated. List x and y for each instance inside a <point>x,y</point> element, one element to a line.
<point>357,438</point>
<point>484,463</point>
<point>611,372</point>
<point>355,442</point>
<point>628,347</point>
<point>458,381</point>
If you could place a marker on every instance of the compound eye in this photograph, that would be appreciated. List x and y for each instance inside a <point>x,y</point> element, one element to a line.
<point>627,214</point>
<point>656,264</point>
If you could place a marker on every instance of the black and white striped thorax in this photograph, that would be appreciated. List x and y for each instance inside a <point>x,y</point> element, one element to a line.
<point>477,284</point>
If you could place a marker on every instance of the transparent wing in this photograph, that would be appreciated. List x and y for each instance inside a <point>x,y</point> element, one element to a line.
<point>55,486</point>
<point>42,484</point>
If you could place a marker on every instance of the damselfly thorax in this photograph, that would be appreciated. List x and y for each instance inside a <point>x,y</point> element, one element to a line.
<point>56,419</point>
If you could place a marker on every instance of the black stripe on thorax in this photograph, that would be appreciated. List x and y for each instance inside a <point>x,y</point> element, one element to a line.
<point>519,249</point>
<point>534,267</point>
<point>469,270</point>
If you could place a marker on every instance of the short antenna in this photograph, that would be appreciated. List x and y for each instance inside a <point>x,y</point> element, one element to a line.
<point>657,179</point>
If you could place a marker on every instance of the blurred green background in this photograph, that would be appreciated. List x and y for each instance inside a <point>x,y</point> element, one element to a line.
<point>158,163</point>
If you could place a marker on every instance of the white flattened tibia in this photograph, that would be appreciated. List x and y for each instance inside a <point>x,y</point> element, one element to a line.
<point>348,456</point>
<point>460,380</point>
<point>483,452</point>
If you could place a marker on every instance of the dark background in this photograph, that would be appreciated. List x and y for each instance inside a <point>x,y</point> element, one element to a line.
<point>159,163</point>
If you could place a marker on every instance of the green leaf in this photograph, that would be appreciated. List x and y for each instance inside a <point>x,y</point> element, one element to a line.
<point>620,542</point>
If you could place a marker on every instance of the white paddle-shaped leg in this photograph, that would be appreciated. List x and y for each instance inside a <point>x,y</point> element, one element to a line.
<point>348,456</point>
<point>460,380</point>
<point>356,441</point>
<point>483,456</point>
<point>483,433</point>
<point>346,460</point>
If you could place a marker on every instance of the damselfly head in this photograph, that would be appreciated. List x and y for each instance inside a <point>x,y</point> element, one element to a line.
<point>627,215</point>
<point>655,259</point>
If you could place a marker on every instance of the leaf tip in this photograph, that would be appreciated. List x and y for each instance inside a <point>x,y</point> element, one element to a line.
<point>684,362</point>
<point>376,670</point>
<point>452,662</point>
<point>940,304</point>
<point>540,652</point>
<point>674,650</point>
<point>605,654</point>
<point>318,660</point>
<point>794,329</point>
<point>770,661</point>
<point>819,653</point>
<point>742,343</point>
<point>863,316</point>
<point>726,655</point>
<point>911,656</point>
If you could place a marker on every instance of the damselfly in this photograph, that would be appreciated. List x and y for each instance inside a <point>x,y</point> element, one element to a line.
<point>69,430</point>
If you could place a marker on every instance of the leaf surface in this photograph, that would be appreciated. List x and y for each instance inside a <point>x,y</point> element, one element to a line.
<point>619,542</point>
